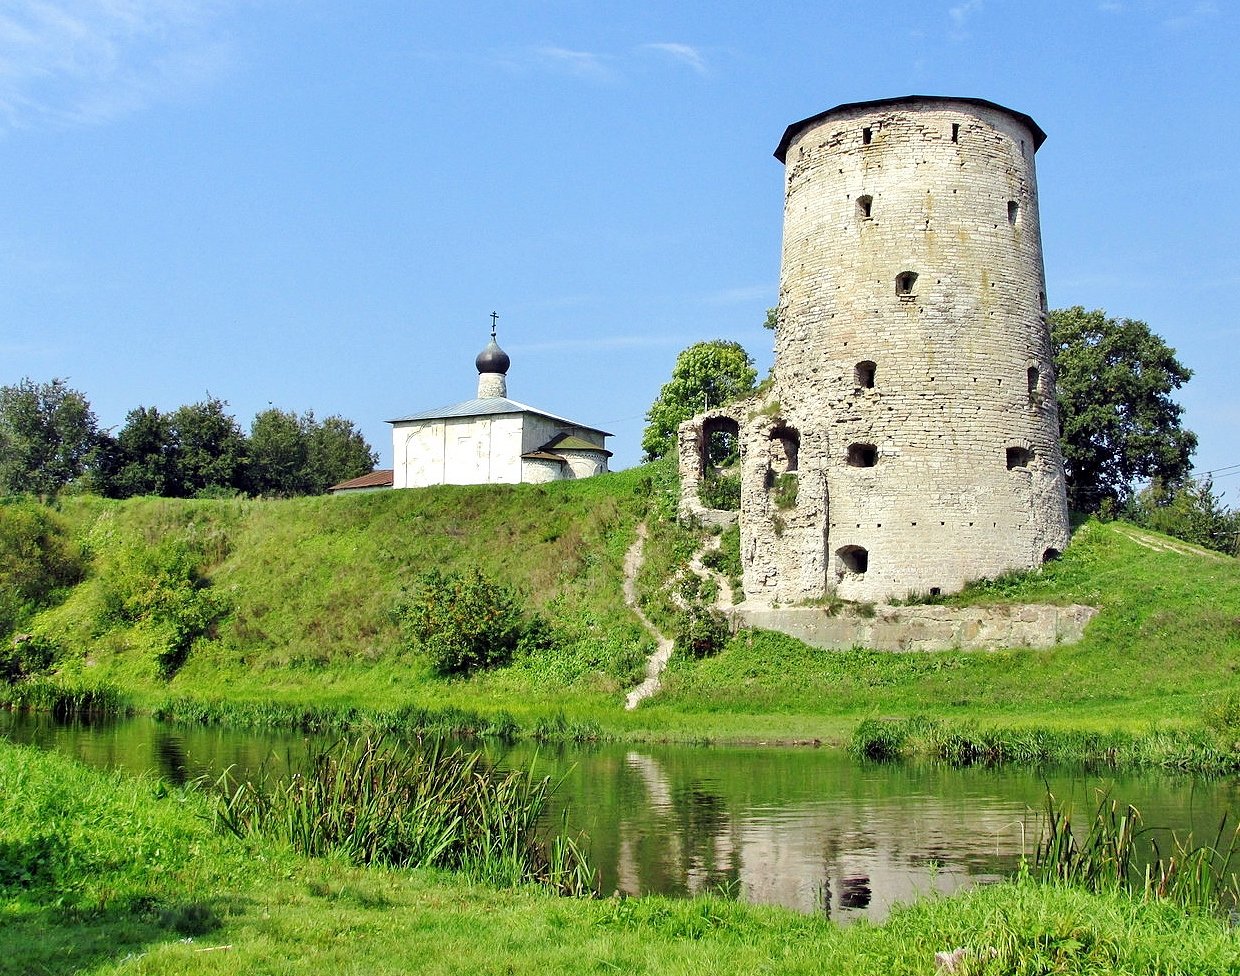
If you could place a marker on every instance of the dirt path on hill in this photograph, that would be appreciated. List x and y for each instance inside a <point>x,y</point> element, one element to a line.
<point>657,661</point>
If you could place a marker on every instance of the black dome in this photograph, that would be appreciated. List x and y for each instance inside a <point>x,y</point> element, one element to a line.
<point>493,359</point>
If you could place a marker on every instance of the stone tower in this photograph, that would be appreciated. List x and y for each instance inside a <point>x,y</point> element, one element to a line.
<point>909,441</point>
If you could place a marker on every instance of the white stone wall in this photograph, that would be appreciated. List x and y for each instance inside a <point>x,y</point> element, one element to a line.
<point>457,451</point>
<point>539,471</point>
<point>944,190</point>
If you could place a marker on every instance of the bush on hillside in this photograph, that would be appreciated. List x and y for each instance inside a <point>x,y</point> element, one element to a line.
<point>28,655</point>
<point>466,622</point>
<point>37,562</point>
<point>162,588</point>
<point>720,491</point>
<point>703,631</point>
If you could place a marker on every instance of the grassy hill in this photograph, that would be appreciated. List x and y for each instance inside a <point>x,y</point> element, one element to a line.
<point>259,606</point>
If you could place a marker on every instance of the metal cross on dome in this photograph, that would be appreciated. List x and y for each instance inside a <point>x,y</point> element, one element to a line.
<point>494,318</point>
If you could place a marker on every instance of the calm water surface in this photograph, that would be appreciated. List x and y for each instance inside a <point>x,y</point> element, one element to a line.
<point>805,828</point>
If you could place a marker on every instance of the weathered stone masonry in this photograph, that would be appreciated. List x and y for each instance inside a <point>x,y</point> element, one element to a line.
<point>913,391</point>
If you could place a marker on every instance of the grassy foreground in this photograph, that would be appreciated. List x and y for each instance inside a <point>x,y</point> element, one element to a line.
<point>100,873</point>
<point>281,612</point>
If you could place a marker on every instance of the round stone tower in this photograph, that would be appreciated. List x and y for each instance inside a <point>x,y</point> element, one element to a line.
<point>913,401</point>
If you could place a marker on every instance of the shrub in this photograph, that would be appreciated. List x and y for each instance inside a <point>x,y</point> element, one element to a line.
<point>465,622</point>
<point>703,631</point>
<point>37,562</point>
<point>29,655</point>
<point>784,490</point>
<point>161,588</point>
<point>721,491</point>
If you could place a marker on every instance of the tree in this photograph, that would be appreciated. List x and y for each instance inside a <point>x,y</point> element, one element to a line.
<point>145,456</point>
<point>337,452</point>
<point>1118,422</point>
<point>279,451</point>
<point>707,374</point>
<point>47,434</point>
<point>211,449</point>
<point>1192,512</point>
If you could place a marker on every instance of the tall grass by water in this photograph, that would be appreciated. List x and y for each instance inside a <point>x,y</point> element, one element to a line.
<point>1115,849</point>
<point>374,801</point>
<point>1206,750</point>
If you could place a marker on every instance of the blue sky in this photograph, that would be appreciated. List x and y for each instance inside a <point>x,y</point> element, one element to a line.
<point>317,205</point>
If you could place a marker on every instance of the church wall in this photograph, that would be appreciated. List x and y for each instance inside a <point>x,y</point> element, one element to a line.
<point>584,464</point>
<point>417,454</point>
<point>539,430</point>
<point>537,471</point>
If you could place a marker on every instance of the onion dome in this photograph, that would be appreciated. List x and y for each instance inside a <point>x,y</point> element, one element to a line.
<point>493,359</point>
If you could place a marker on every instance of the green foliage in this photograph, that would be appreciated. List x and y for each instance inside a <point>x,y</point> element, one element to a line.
<point>727,558</point>
<point>374,802</point>
<point>1119,425</point>
<point>47,436</point>
<point>211,449</point>
<point>160,587</point>
<point>38,562</point>
<point>703,631</point>
<point>466,622</point>
<point>707,374</point>
<point>29,655</point>
<point>1117,851</point>
<point>720,491</point>
<point>1191,511</point>
<point>145,458</point>
<point>291,455</point>
<point>784,490</point>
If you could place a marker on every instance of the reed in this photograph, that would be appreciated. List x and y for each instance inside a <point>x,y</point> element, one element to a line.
<point>965,744</point>
<point>375,801</point>
<point>1116,850</point>
<point>64,700</point>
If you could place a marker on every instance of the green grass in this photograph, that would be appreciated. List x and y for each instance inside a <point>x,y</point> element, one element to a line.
<point>103,874</point>
<point>288,614</point>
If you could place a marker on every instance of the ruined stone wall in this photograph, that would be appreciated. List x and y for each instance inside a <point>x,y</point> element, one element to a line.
<point>913,376</point>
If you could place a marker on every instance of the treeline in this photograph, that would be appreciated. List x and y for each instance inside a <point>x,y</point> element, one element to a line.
<point>50,442</point>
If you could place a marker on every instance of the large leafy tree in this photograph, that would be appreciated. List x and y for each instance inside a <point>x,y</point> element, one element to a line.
<point>292,455</point>
<point>337,452</point>
<point>707,374</point>
<point>47,436</point>
<point>279,450</point>
<point>211,448</point>
<point>145,456</point>
<point>1119,425</point>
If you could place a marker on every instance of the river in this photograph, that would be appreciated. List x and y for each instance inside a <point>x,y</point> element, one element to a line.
<point>807,828</point>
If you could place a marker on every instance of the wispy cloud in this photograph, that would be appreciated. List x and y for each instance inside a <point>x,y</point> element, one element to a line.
<point>583,64</point>
<point>684,53</point>
<point>90,61</point>
<point>961,12</point>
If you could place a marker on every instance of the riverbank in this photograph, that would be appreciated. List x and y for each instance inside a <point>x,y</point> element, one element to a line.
<point>104,873</point>
<point>282,613</point>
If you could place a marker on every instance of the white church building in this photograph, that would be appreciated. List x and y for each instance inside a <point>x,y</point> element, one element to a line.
<point>492,439</point>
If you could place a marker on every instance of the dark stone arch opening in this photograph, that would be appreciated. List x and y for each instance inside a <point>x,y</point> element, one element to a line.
<point>862,455</point>
<point>720,443</point>
<point>853,559</point>
<point>1018,457</point>
<point>785,449</point>
<point>864,373</point>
